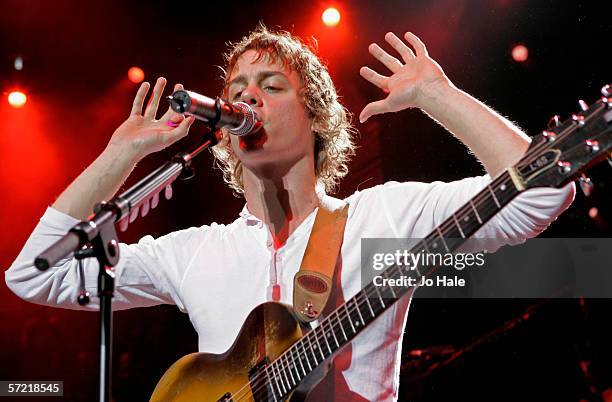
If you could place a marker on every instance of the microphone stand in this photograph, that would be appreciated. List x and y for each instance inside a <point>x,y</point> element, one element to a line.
<point>97,237</point>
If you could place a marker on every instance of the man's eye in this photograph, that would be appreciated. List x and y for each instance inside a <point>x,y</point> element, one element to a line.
<point>271,88</point>
<point>236,95</point>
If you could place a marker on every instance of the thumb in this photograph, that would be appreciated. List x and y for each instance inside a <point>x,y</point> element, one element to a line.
<point>372,109</point>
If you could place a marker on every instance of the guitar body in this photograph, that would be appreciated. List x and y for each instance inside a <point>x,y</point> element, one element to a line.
<point>209,377</point>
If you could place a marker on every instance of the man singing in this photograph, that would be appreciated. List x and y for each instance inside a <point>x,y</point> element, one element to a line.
<point>219,273</point>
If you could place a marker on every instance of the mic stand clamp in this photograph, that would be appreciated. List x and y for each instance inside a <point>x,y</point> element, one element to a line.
<point>86,252</point>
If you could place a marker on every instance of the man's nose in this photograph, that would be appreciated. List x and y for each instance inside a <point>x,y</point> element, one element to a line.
<point>251,97</point>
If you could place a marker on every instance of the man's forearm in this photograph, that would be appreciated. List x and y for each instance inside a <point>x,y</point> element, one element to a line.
<point>495,141</point>
<point>99,182</point>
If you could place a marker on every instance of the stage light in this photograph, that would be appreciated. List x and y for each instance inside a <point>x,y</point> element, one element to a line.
<point>520,53</point>
<point>17,99</point>
<point>136,75</point>
<point>18,64</point>
<point>331,17</point>
<point>593,212</point>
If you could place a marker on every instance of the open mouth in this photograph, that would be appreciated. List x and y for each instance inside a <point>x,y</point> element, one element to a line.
<point>256,127</point>
<point>255,139</point>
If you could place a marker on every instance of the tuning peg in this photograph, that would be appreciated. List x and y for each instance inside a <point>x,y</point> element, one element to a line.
<point>168,192</point>
<point>583,105</point>
<point>610,160</point>
<point>549,136</point>
<point>606,90</point>
<point>578,119</point>
<point>554,121</point>
<point>564,167</point>
<point>586,185</point>
<point>592,145</point>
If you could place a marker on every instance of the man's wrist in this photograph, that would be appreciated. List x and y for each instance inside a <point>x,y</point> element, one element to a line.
<point>125,154</point>
<point>436,95</point>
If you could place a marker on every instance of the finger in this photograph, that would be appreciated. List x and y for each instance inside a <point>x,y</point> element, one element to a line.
<point>170,114</point>
<point>404,51</point>
<point>176,118</point>
<point>139,99</point>
<point>385,58</point>
<point>416,43</point>
<point>372,109</point>
<point>176,134</point>
<point>151,110</point>
<point>174,121</point>
<point>377,79</point>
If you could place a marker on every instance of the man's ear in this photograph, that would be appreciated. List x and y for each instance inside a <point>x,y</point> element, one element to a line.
<point>315,127</point>
<point>320,154</point>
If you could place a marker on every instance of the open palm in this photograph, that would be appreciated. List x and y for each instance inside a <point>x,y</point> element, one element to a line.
<point>409,80</point>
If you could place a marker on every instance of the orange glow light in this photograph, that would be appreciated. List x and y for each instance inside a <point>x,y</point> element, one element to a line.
<point>520,53</point>
<point>17,99</point>
<point>331,17</point>
<point>593,212</point>
<point>136,75</point>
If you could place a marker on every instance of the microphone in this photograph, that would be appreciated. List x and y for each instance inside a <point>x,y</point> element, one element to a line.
<point>239,117</point>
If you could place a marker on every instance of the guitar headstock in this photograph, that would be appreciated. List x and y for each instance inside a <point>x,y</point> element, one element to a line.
<point>563,151</point>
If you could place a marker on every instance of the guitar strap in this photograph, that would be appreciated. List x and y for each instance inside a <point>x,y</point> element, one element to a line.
<point>312,284</point>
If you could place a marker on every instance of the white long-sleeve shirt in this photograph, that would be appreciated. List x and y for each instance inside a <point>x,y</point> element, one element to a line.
<point>219,273</point>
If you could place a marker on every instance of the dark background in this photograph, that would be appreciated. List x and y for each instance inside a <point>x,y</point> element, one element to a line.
<point>76,55</point>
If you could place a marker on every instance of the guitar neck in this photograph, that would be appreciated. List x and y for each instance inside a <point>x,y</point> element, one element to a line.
<point>348,320</point>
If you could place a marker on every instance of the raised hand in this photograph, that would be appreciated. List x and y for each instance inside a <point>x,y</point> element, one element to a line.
<point>411,80</point>
<point>142,133</point>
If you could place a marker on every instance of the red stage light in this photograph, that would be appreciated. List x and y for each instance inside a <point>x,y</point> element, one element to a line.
<point>136,75</point>
<point>593,212</point>
<point>331,16</point>
<point>520,53</point>
<point>17,99</point>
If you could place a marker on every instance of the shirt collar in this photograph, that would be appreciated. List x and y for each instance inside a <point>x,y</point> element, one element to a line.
<point>249,217</point>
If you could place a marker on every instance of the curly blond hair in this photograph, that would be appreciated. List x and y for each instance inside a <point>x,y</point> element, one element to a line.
<point>334,143</point>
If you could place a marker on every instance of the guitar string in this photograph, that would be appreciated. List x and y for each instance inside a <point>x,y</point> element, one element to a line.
<point>256,382</point>
<point>529,157</point>
<point>286,365</point>
<point>282,362</point>
<point>261,384</point>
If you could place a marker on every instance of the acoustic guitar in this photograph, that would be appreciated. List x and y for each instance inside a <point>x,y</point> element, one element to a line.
<point>296,356</point>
